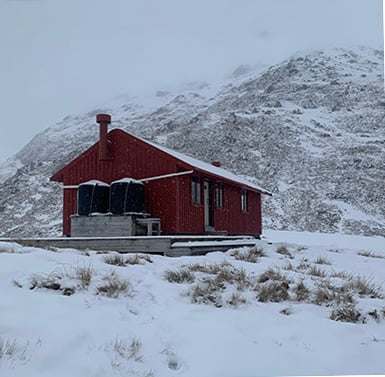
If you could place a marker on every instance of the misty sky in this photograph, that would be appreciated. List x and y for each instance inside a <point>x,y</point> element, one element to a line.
<point>65,57</point>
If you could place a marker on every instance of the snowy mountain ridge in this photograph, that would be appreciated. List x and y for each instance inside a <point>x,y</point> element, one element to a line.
<point>310,129</point>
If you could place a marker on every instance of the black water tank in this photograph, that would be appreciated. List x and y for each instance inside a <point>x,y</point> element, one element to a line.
<point>127,195</point>
<point>93,196</point>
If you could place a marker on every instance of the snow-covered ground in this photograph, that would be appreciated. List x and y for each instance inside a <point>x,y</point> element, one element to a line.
<point>220,321</point>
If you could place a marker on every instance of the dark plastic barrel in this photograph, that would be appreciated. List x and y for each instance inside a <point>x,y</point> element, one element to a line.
<point>126,195</point>
<point>93,197</point>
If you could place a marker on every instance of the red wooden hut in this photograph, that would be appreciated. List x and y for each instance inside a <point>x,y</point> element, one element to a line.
<point>188,195</point>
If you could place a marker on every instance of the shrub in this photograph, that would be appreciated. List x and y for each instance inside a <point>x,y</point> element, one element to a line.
<point>273,291</point>
<point>113,286</point>
<point>183,275</point>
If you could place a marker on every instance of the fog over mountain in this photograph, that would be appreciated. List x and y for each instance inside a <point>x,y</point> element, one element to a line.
<point>310,129</point>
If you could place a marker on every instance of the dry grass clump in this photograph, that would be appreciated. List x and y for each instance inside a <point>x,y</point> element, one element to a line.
<point>283,250</point>
<point>273,275</point>
<point>183,275</point>
<point>346,313</point>
<point>215,281</point>
<point>10,350</point>
<point>236,299</point>
<point>370,254</point>
<point>48,281</point>
<point>121,261</point>
<point>139,259</point>
<point>316,271</point>
<point>207,292</point>
<point>273,291</point>
<point>251,255</point>
<point>303,265</point>
<point>113,286</point>
<point>57,280</point>
<point>212,268</point>
<point>83,274</point>
<point>323,260</point>
<point>128,350</point>
<point>364,287</point>
<point>115,260</point>
<point>301,292</point>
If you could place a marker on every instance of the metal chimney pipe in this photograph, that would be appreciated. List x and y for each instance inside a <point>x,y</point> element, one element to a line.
<point>104,120</point>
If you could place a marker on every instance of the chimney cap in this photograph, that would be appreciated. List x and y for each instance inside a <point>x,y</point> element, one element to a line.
<point>103,118</point>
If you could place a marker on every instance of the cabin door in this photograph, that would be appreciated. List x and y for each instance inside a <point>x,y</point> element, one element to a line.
<point>209,205</point>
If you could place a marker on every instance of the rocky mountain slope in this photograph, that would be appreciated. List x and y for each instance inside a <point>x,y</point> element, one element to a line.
<point>311,130</point>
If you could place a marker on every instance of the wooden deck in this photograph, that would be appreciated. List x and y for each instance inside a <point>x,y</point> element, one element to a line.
<point>163,245</point>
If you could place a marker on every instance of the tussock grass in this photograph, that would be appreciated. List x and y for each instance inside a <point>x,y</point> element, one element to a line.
<point>272,274</point>
<point>301,292</point>
<point>84,274</point>
<point>323,260</point>
<point>57,280</point>
<point>316,271</point>
<point>251,255</point>
<point>207,292</point>
<point>115,260</point>
<point>215,280</point>
<point>121,261</point>
<point>273,291</point>
<point>183,275</point>
<point>10,350</point>
<point>48,281</point>
<point>236,299</point>
<point>128,349</point>
<point>113,286</point>
<point>346,313</point>
<point>364,287</point>
<point>283,250</point>
<point>139,259</point>
<point>370,254</point>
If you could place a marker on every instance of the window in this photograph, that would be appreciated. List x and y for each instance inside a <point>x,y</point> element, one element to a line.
<point>219,195</point>
<point>244,201</point>
<point>195,190</point>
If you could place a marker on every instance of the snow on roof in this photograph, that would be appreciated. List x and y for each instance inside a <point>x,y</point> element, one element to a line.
<point>203,166</point>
